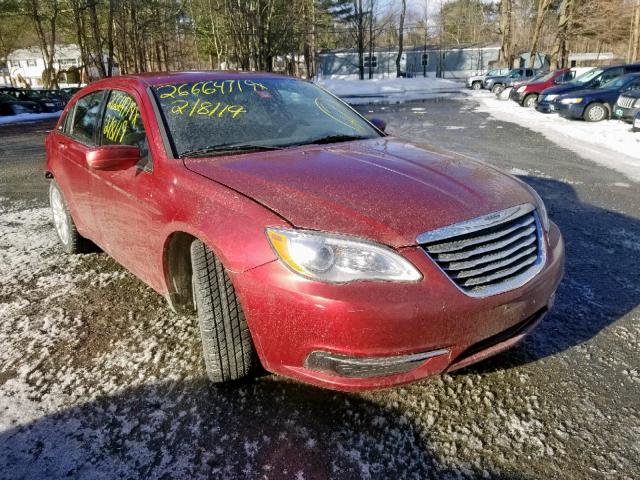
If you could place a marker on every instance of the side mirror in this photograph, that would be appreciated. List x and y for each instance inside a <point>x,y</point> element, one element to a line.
<point>379,124</point>
<point>113,157</point>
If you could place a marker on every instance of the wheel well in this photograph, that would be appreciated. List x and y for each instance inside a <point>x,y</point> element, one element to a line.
<point>177,267</point>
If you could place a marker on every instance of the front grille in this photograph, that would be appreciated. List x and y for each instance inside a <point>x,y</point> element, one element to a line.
<point>626,102</point>
<point>490,254</point>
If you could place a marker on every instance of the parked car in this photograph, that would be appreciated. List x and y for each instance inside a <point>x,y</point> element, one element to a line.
<point>526,94</point>
<point>595,78</point>
<point>475,82</point>
<point>69,92</point>
<point>283,213</point>
<point>627,106</point>
<point>55,95</point>
<point>596,104</point>
<point>498,83</point>
<point>45,103</point>
<point>11,106</point>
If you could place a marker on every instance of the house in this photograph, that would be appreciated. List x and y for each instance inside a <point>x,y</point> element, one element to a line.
<point>26,65</point>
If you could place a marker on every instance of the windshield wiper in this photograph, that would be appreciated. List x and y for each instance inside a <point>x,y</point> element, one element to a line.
<point>227,147</point>
<point>329,139</point>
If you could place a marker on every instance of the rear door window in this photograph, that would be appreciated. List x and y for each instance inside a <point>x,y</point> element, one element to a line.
<point>609,75</point>
<point>86,118</point>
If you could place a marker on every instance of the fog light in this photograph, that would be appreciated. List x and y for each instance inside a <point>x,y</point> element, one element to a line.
<point>366,367</point>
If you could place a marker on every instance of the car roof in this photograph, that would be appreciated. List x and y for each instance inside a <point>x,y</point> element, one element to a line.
<point>159,78</point>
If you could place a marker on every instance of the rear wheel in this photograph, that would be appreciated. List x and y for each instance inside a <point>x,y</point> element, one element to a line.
<point>596,112</point>
<point>227,346</point>
<point>70,239</point>
<point>497,89</point>
<point>530,101</point>
<point>476,85</point>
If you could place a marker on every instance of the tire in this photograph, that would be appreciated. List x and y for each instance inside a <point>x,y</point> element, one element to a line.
<point>530,101</point>
<point>476,86</point>
<point>497,88</point>
<point>70,239</point>
<point>226,341</point>
<point>596,112</point>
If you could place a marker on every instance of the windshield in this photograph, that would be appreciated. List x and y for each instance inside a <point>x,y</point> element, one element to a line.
<point>234,114</point>
<point>587,77</point>
<point>543,77</point>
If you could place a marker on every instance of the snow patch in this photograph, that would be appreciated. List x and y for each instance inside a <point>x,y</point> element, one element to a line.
<point>28,117</point>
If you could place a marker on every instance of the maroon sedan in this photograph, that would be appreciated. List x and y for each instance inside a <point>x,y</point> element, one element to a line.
<point>302,236</point>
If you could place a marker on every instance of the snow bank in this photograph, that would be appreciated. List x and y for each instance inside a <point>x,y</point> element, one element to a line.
<point>389,90</point>
<point>611,143</point>
<point>28,117</point>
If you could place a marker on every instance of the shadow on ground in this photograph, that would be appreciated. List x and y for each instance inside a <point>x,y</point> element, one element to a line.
<point>602,279</point>
<point>265,429</point>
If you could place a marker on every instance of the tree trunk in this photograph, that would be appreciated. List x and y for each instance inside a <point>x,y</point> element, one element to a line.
<point>403,12</point>
<point>506,33</point>
<point>543,8</point>
<point>110,38</point>
<point>565,16</point>
<point>635,34</point>
<point>99,60</point>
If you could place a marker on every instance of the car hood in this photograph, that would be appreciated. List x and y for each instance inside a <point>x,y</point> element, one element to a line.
<point>381,189</point>
<point>586,92</point>
<point>562,89</point>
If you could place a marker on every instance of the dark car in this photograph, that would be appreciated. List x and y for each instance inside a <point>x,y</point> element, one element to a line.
<point>69,92</point>
<point>11,106</point>
<point>627,106</point>
<point>499,83</point>
<point>595,105</point>
<point>44,100</point>
<point>595,78</point>
<point>526,94</point>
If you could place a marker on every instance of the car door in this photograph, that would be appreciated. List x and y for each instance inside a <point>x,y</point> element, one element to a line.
<point>70,143</point>
<point>607,76</point>
<point>124,205</point>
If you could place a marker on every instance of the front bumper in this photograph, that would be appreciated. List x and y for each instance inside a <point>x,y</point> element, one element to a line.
<point>545,106</point>
<point>625,114</point>
<point>574,111</point>
<point>290,318</point>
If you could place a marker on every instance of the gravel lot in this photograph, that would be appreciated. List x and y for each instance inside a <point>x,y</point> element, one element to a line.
<point>99,379</point>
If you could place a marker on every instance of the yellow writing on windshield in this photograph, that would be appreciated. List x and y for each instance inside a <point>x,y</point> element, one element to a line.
<point>219,87</point>
<point>204,108</point>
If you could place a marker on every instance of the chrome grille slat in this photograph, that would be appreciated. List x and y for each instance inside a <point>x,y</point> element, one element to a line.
<point>495,276</point>
<point>626,102</point>
<point>467,242</point>
<point>490,254</point>
<point>528,233</point>
<point>487,258</point>
<point>493,266</point>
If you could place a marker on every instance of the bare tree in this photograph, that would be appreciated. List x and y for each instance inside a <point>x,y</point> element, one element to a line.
<point>543,8</point>
<point>403,12</point>
<point>44,15</point>
<point>506,33</point>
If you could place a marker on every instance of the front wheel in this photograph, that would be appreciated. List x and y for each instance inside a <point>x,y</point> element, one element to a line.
<point>497,89</point>
<point>70,239</point>
<point>226,341</point>
<point>530,101</point>
<point>596,112</point>
<point>476,85</point>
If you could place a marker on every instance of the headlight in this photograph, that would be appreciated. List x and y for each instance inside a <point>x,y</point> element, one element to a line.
<point>571,101</point>
<point>522,89</point>
<point>335,259</point>
<point>550,98</point>
<point>49,104</point>
<point>541,209</point>
<point>637,104</point>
